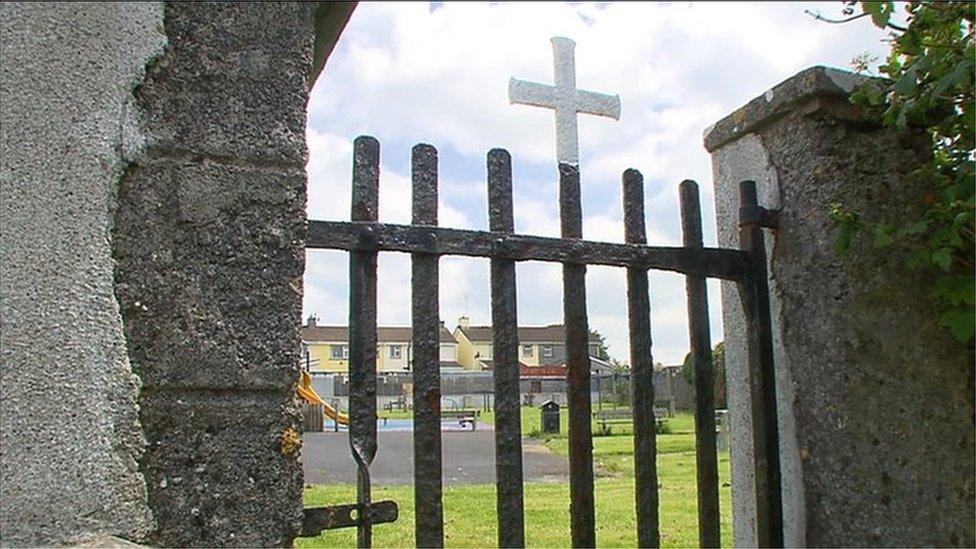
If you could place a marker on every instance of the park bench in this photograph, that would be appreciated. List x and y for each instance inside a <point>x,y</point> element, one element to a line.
<point>399,404</point>
<point>462,416</point>
<point>623,416</point>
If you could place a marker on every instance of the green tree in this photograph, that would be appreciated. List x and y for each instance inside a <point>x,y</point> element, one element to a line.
<point>929,87</point>
<point>718,362</point>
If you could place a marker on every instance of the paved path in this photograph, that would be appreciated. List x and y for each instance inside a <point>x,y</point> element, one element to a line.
<point>469,458</point>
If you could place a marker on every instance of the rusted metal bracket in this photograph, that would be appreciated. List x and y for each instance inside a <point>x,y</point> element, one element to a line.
<point>757,215</point>
<point>331,517</point>
<point>754,293</point>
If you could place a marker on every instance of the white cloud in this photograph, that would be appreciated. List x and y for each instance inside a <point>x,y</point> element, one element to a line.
<point>406,74</point>
<point>330,185</point>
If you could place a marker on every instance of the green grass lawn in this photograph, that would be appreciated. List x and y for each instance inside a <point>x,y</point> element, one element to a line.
<point>394,414</point>
<point>683,422</point>
<point>623,445</point>
<point>469,511</point>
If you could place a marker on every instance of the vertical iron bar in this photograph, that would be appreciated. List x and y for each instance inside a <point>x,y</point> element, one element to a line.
<point>599,392</point>
<point>426,360</point>
<point>504,322</point>
<point>754,292</point>
<point>613,386</point>
<point>642,369</point>
<point>581,512</point>
<point>704,375</point>
<point>362,330</point>
<point>335,418</point>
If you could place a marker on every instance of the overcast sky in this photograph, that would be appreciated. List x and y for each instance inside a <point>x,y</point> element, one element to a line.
<point>438,73</point>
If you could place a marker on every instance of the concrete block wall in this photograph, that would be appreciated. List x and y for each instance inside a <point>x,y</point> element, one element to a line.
<point>209,242</point>
<point>875,400</point>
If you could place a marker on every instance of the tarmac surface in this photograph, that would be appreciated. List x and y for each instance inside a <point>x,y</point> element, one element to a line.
<point>468,458</point>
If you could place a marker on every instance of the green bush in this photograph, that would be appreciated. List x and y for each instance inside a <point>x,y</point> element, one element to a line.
<point>929,88</point>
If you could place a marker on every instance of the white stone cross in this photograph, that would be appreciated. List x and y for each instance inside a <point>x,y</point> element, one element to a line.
<point>565,99</point>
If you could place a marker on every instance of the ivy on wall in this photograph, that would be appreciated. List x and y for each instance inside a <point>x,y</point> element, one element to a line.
<point>929,85</point>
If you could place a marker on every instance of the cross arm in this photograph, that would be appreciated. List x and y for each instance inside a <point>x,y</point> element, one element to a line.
<point>531,93</point>
<point>599,104</point>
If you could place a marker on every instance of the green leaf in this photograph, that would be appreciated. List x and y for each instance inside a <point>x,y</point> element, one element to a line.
<point>914,228</point>
<point>883,236</point>
<point>961,321</point>
<point>942,257</point>
<point>908,43</point>
<point>959,74</point>
<point>893,66</point>
<point>880,12</point>
<point>907,84</point>
<point>906,108</point>
<point>955,290</point>
<point>848,224</point>
<point>918,258</point>
<point>870,94</point>
<point>842,242</point>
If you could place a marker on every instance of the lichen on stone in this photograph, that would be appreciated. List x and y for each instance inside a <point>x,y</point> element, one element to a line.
<point>291,441</point>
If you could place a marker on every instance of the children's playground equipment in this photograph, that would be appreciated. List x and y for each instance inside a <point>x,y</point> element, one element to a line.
<point>309,395</point>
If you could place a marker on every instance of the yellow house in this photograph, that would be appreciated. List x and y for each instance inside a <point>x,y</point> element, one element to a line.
<point>538,345</point>
<point>326,348</point>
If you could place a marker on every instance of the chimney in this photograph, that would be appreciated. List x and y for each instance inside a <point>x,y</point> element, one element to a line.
<point>464,322</point>
<point>312,320</point>
<point>442,324</point>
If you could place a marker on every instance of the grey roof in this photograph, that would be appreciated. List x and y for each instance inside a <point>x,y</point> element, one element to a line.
<point>384,334</point>
<point>553,333</point>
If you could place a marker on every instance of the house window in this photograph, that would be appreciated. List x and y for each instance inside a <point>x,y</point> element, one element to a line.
<point>396,351</point>
<point>526,350</point>
<point>547,351</point>
<point>448,353</point>
<point>340,351</point>
<point>536,386</point>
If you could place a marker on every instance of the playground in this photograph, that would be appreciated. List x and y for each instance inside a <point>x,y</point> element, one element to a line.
<point>468,458</point>
<point>469,476</point>
<point>469,496</point>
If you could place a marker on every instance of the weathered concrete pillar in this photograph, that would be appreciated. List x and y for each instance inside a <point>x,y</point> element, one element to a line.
<point>875,400</point>
<point>209,238</point>
<point>70,438</point>
<point>192,177</point>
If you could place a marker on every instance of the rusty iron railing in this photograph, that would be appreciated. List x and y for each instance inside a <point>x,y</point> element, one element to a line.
<point>364,237</point>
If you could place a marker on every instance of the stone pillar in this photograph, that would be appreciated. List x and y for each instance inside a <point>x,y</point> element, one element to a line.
<point>70,437</point>
<point>875,400</point>
<point>209,239</point>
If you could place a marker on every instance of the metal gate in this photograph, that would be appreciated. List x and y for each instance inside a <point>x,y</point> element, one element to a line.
<point>364,236</point>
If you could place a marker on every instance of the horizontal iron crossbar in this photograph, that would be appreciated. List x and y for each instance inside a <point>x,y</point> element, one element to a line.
<point>369,236</point>
<point>316,519</point>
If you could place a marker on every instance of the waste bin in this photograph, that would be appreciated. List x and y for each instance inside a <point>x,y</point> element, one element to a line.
<point>550,417</point>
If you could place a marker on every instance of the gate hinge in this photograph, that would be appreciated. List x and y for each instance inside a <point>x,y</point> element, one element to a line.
<point>757,215</point>
<point>316,519</point>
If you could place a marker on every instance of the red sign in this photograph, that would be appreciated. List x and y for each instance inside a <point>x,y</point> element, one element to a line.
<point>542,371</point>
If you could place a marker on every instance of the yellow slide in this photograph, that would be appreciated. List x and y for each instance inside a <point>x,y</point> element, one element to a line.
<point>306,391</point>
